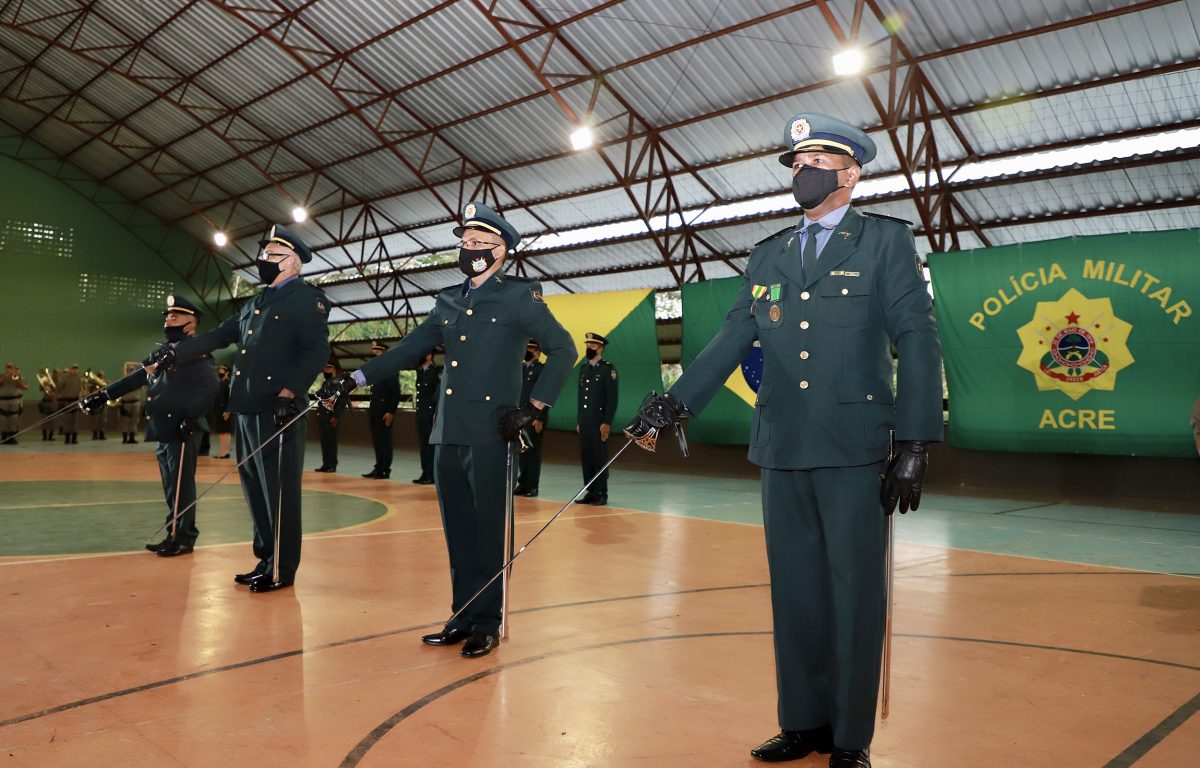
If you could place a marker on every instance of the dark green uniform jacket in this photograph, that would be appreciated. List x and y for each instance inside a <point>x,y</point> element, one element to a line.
<point>385,397</point>
<point>826,396</point>
<point>484,334</point>
<point>597,394</point>
<point>187,390</point>
<point>291,353</point>
<point>428,383</point>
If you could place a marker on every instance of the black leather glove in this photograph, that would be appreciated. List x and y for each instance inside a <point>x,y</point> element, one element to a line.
<point>655,412</point>
<point>188,426</point>
<point>904,476</point>
<point>334,388</point>
<point>285,409</point>
<point>94,403</point>
<point>516,419</point>
<point>164,357</point>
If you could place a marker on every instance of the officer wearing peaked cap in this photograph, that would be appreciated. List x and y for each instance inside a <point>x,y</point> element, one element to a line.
<point>282,342</point>
<point>529,473</point>
<point>483,324</point>
<point>178,401</point>
<point>428,384</point>
<point>597,405</point>
<point>825,298</point>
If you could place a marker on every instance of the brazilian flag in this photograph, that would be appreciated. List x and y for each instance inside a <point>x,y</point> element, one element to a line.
<point>726,419</point>
<point>626,319</point>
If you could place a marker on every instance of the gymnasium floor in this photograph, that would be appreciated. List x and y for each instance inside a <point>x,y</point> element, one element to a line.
<point>1028,633</point>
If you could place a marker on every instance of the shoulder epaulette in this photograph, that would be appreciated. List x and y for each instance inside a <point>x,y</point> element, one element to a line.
<point>874,215</point>
<point>788,228</point>
<point>519,279</point>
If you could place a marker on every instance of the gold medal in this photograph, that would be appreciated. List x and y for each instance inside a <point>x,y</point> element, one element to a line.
<point>774,313</point>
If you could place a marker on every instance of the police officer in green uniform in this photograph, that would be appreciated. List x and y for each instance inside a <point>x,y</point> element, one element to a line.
<point>483,325</point>
<point>282,341</point>
<point>222,420</point>
<point>596,408</point>
<point>12,403</point>
<point>381,415</point>
<point>826,298</point>
<point>178,401</point>
<point>429,379</point>
<point>530,463</point>
<point>129,411</point>
<point>70,388</point>
<point>329,422</point>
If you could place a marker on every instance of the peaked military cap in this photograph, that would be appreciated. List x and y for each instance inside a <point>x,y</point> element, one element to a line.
<point>533,343</point>
<point>811,132</point>
<point>595,337</point>
<point>479,216</point>
<point>282,235</point>
<point>378,345</point>
<point>182,306</point>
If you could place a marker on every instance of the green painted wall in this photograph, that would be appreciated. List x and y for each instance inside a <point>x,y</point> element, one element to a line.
<point>83,274</point>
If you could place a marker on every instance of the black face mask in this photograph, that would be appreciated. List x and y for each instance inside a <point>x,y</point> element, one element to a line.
<point>529,355</point>
<point>475,263</point>
<point>174,333</point>
<point>328,375</point>
<point>268,271</point>
<point>810,186</point>
<point>591,353</point>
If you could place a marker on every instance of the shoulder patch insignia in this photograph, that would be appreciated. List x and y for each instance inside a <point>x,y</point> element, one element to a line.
<point>320,306</point>
<point>614,374</point>
<point>873,215</point>
<point>537,296</point>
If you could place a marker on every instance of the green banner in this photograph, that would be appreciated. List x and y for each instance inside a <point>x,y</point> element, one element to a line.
<point>1080,345</point>
<point>726,420</point>
<point>626,319</point>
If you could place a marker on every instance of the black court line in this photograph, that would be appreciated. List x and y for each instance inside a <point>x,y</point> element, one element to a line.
<point>366,743</point>
<point>334,644</point>
<point>355,755</point>
<point>1138,749</point>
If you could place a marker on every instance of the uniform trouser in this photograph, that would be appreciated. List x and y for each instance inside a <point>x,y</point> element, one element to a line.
<point>69,421</point>
<point>260,485</point>
<point>98,420</point>
<point>826,535</point>
<point>471,487</point>
<point>594,454</point>
<point>10,421</point>
<point>169,467</point>
<point>128,423</point>
<point>530,462</point>
<point>424,430</point>
<point>329,444</point>
<point>381,438</point>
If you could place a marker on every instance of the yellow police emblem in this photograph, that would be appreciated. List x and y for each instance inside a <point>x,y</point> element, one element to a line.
<point>1075,345</point>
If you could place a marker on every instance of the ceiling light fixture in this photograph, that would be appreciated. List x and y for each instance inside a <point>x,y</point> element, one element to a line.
<point>221,239</point>
<point>299,214</point>
<point>848,62</point>
<point>582,138</point>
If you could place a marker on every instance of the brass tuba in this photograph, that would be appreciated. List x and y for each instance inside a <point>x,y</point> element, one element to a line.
<point>45,379</point>
<point>96,380</point>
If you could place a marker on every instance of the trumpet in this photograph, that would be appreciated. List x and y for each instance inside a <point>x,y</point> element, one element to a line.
<point>45,378</point>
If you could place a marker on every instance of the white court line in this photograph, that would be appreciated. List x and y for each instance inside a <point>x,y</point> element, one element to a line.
<point>309,537</point>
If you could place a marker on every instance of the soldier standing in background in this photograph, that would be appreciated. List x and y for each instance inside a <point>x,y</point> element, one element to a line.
<point>70,388</point>
<point>530,463</point>
<point>178,401</point>
<point>12,402</point>
<point>129,411</point>
<point>222,420</point>
<point>329,421</point>
<point>49,402</point>
<point>381,414</point>
<point>92,385</point>
<point>596,409</point>
<point>429,378</point>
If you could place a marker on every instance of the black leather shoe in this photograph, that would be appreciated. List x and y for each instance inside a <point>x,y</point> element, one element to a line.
<point>850,758</point>
<point>322,468</point>
<point>423,480</point>
<point>251,576</point>
<point>447,637</point>
<point>374,473</point>
<point>160,546</point>
<point>266,585</point>
<point>589,498</point>
<point>479,644</point>
<point>793,745</point>
<point>600,500</point>
<point>528,492</point>
<point>175,549</point>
